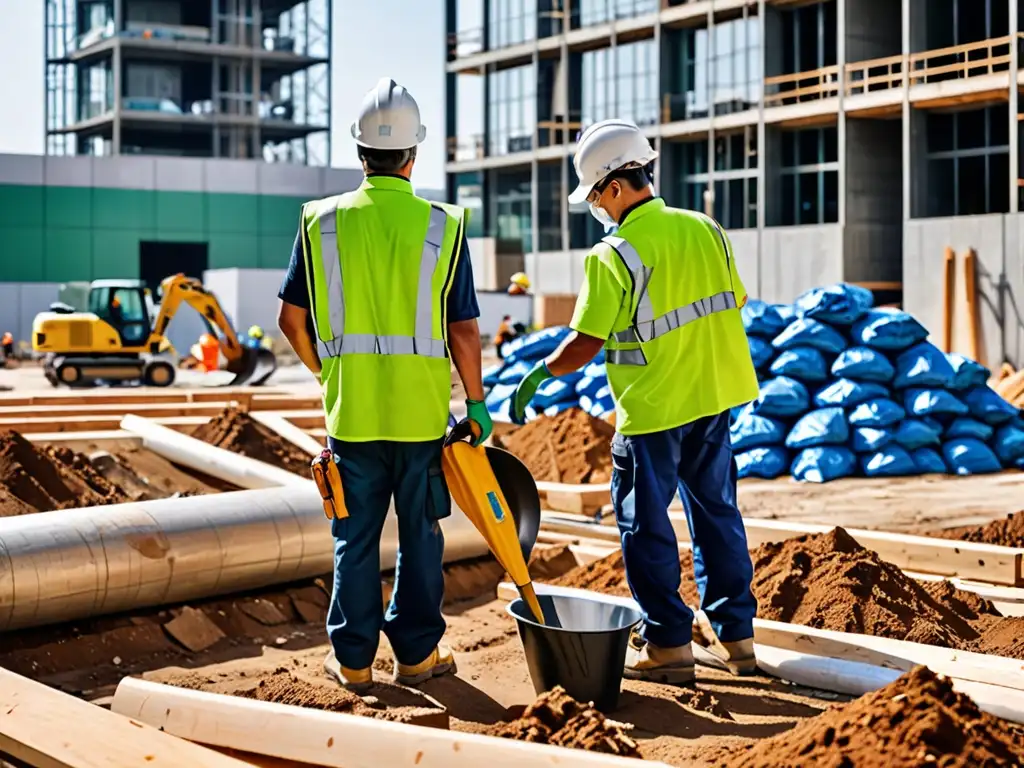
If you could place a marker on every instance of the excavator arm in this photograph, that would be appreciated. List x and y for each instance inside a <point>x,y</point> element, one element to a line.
<point>244,362</point>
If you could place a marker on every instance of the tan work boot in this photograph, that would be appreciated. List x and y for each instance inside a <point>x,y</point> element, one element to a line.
<point>645,661</point>
<point>735,657</point>
<point>439,662</point>
<point>356,680</point>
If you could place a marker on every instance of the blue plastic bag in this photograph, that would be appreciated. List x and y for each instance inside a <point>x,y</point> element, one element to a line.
<point>557,390</point>
<point>595,370</point>
<point>917,433</point>
<point>870,439</point>
<point>966,372</point>
<point>964,426</point>
<point>986,405</point>
<point>932,402</point>
<point>764,462</point>
<point>819,465</point>
<point>887,328</point>
<point>923,365</point>
<point>842,304</point>
<point>967,456</point>
<point>928,461</point>
<point>751,430</point>
<point>863,364</point>
<point>781,396</point>
<point>490,375</point>
<point>810,333</point>
<point>760,351</point>
<point>877,412</point>
<point>891,461</point>
<point>788,312</point>
<point>514,373</point>
<point>589,385</point>
<point>501,411</point>
<point>803,363</point>
<point>534,346</point>
<point>598,404</point>
<point>826,426</point>
<point>762,319</point>
<point>1009,443</point>
<point>499,394</point>
<point>532,411</point>
<point>847,393</point>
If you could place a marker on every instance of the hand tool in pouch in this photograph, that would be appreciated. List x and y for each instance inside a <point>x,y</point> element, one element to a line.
<point>328,482</point>
<point>475,489</point>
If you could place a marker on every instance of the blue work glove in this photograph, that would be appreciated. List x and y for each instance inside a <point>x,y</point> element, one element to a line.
<point>476,411</point>
<point>526,390</point>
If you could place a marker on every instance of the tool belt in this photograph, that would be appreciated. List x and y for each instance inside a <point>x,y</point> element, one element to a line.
<point>328,482</point>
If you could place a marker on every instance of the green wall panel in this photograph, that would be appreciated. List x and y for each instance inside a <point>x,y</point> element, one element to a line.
<point>115,253</point>
<point>275,251</point>
<point>21,206</point>
<point>23,259</point>
<point>181,212</point>
<point>233,213</point>
<point>68,254</point>
<point>68,207</point>
<point>240,251</point>
<point>123,209</point>
<point>279,214</point>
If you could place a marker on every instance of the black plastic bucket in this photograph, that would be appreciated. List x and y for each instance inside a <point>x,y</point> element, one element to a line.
<point>582,647</point>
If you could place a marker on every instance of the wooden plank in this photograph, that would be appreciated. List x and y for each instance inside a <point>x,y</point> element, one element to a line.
<point>93,423</point>
<point>67,437</point>
<point>149,410</point>
<point>587,498</point>
<point>307,418</point>
<point>286,429</point>
<point>45,728</point>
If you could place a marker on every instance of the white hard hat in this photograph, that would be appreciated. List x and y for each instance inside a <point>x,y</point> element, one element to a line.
<point>388,118</point>
<point>605,147</point>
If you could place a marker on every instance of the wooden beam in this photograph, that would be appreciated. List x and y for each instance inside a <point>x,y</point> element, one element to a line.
<point>44,728</point>
<point>331,738</point>
<point>582,499</point>
<point>286,429</point>
<point>110,435</point>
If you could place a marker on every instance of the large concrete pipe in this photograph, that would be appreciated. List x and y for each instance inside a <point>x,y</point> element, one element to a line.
<point>73,564</point>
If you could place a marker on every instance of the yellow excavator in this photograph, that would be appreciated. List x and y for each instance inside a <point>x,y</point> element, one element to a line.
<point>121,338</point>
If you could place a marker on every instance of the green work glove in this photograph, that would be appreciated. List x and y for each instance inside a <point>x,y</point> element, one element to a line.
<point>476,411</point>
<point>526,390</point>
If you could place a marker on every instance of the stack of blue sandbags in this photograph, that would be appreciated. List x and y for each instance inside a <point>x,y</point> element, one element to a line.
<point>847,390</point>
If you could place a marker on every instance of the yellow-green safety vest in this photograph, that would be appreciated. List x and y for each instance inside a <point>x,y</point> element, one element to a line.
<point>680,353</point>
<point>379,265</point>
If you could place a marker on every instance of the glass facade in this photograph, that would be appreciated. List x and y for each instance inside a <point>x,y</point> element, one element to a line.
<point>809,37</point>
<point>511,22</point>
<point>620,82</point>
<point>810,177</point>
<point>469,194</point>
<point>735,66</point>
<point>510,222</point>
<point>588,12</point>
<point>732,186</point>
<point>968,162</point>
<point>512,110</point>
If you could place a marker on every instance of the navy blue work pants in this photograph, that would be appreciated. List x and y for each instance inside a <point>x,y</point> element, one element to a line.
<point>371,474</point>
<point>695,460</point>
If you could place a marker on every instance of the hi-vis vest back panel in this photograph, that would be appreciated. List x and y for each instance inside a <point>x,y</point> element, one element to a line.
<point>681,353</point>
<point>380,262</point>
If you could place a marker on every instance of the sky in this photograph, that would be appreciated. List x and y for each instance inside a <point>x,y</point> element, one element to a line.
<point>401,39</point>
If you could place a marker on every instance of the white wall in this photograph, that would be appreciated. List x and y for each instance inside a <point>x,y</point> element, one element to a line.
<point>20,303</point>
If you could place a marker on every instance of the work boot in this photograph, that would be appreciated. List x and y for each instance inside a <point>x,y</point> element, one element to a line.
<point>645,661</point>
<point>356,680</point>
<point>439,662</point>
<point>735,657</point>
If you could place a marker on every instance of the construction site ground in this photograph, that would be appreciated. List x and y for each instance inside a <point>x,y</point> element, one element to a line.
<point>270,645</point>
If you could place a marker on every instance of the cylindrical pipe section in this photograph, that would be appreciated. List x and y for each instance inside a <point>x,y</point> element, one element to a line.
<point>73,564</point>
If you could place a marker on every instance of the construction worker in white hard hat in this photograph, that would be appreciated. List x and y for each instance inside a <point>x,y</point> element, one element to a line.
<point>518,284</point>
<point>662,297</point>
<point>378,301</point>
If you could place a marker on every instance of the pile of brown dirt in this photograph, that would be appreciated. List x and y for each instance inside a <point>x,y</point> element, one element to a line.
<point>556,718</point>
<point>572,447</point>
<point>235,430</point>
<point>916,720</point>
<point>36,479</point>
<point>1008,532</point>
<point>829,581</point>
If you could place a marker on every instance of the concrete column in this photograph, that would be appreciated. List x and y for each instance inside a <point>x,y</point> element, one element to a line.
<point>908,160</point>
<point>762,148</point>
<point>841,10</point>
<point>709,193</point>
<point>534,169</point>
<point>660,79</point>
<point>118,78</point>
<point>566,176</point>
<point>1013,106</point>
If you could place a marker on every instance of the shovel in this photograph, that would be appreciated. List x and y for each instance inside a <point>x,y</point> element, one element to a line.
<point>476,490</point>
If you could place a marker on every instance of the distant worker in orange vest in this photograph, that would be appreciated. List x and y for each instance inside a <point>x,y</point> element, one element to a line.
<point>519,284</point>
<point>508,330</point>
<point>8,346</point>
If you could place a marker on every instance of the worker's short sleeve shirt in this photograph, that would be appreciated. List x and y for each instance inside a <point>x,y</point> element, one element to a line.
<point>462,301</point>
<point>602,304</point>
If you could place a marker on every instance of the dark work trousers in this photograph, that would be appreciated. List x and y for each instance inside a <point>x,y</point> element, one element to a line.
<point>695,460</point>
<point>371,474</point>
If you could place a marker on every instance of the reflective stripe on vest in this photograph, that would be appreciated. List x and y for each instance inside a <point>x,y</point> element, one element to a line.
<point>422,343</point>
<point>645,326</point>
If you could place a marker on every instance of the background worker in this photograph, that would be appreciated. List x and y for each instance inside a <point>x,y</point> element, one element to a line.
<point>518,284</point>
<point>507,330</point>
<point>7,346</point>
<point>662,296</point>
<point>254,338</point>
<point>378,293</point>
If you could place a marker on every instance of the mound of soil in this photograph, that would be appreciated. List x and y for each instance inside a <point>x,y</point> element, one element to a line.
<point>829,581</point>
<point>916,720</point>
<point>1008,532</point>
<point>556,718</point>
<point>235,430</point>
<point>34,479</point>
<point>572,447</point>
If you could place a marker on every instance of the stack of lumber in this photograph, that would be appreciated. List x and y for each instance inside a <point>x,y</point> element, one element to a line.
<point>1009,383</point>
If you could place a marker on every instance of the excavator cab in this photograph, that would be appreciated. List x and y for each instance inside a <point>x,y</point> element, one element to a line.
<point>123,305</point>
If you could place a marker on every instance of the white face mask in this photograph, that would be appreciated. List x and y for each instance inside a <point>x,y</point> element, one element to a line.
<point>602,217</point>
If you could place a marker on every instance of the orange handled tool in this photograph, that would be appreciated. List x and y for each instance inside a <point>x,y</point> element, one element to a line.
<point>328,482</point>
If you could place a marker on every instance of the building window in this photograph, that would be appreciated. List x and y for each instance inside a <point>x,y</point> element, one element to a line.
<point>588,12</point>
<point>469,195</point>
<point>621,82</point>
<point>549,206</point>
<point>968,162</point>
<point>510,222</point>
<point>731,189</point>
<point>810,177</point>
<point>511,22</point>
<point>687,78</point>
<point>735,65</point>
<point>809,37</point>
<point>512,110</point>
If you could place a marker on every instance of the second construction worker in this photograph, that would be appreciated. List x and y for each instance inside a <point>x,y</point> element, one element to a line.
<point>662,296</point>
<point>378,301</point>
